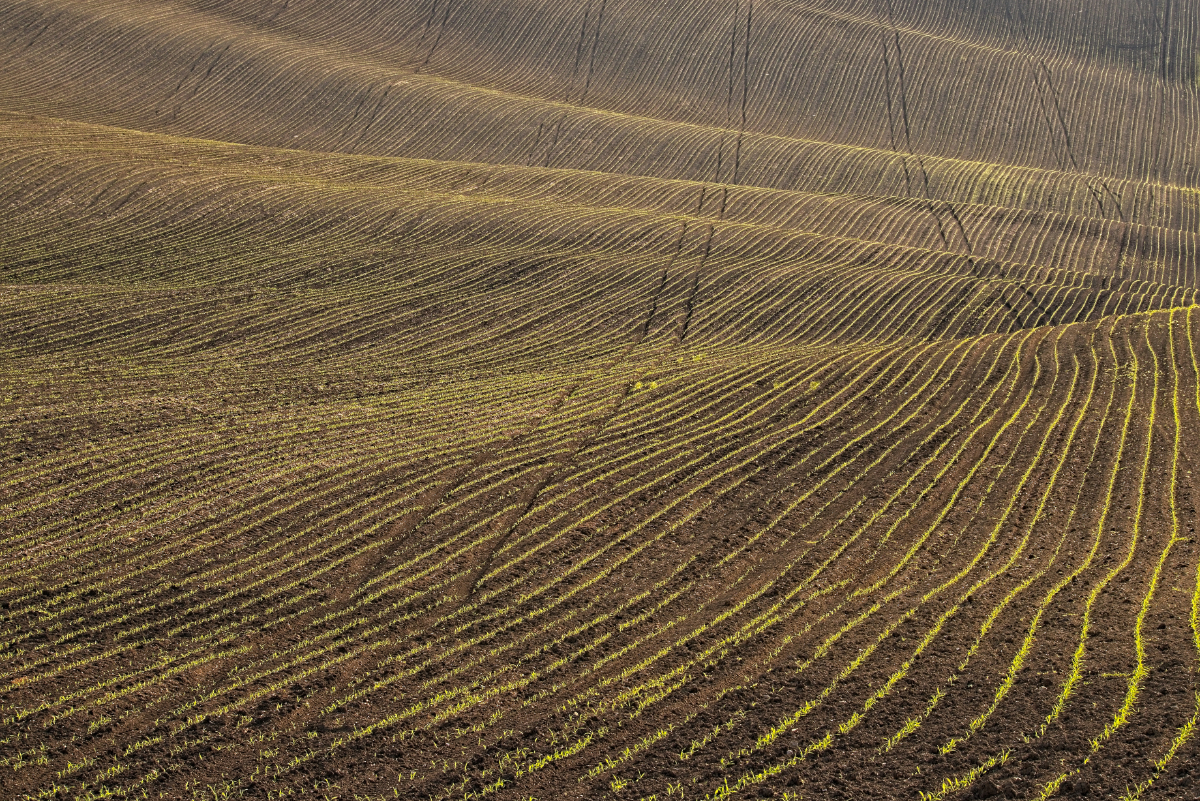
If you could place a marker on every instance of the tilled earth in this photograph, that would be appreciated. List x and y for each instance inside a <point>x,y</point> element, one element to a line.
<point>541,400</point>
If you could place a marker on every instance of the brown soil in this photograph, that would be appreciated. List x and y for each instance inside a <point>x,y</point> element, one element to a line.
<point>610,399</point>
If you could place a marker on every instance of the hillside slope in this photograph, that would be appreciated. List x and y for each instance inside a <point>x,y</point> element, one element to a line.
<point>459,399</point>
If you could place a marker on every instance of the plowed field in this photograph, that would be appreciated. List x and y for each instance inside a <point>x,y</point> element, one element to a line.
<point>572,399</point>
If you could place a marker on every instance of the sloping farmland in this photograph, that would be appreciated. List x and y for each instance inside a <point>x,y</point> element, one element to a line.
<point>573,399</point>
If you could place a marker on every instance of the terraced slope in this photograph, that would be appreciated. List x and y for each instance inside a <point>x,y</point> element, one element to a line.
<point>609,398</point>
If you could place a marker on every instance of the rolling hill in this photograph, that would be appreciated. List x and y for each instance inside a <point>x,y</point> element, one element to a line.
<point>450,399</point>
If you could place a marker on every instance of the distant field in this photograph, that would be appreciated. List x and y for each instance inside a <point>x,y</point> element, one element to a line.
<point>573,399</point>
